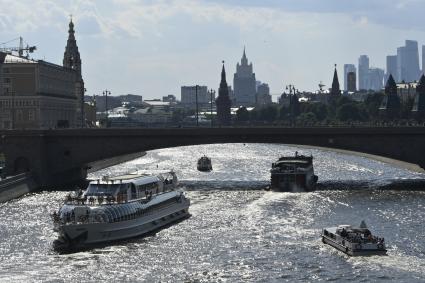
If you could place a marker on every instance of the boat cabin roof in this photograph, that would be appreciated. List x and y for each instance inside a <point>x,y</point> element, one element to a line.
<point>136,179</point>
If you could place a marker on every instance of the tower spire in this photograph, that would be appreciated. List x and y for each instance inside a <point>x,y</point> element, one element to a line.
<point>223,82</point>
<point>71,57</point>
<point>335,84</point>
<point>223,102</point>
<point>244,60</point>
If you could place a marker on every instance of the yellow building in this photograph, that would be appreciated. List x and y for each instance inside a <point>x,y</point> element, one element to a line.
<point>41,95</point>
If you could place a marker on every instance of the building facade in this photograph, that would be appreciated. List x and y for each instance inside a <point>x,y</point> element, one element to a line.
<point>36,94</point>
<point>188,95</point>
<point>408,62</point>
<point>351,82</point>
<point>375,79</point>
<point>41,95</point>
<point>423,59</point>
<point>363,72</point>
<point>244,83</point>
<point>263,95</point>
<point>391,66</point>
<point>348,68</point>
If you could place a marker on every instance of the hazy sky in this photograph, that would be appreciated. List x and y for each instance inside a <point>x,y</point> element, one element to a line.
<point>152,47</point>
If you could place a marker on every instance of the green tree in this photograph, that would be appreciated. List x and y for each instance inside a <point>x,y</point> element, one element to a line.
<point>283,113</point>
<point>351,112</point>
<point>268,113</point>
<point>372,103</point>
<point>307,118</point>
<point>242,114</point>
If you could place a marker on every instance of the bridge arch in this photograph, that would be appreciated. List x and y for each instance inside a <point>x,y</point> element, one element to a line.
<point>21,165</point>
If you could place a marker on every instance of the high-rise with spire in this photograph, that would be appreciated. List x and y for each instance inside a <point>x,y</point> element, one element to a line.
<point>244,83</point>
<point>223,102</point>
<point>72,60</point>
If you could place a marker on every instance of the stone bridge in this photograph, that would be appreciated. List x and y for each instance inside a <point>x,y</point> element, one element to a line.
<point>59,157</point>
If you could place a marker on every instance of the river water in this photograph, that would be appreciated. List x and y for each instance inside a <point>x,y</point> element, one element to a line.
<point>238,232</point>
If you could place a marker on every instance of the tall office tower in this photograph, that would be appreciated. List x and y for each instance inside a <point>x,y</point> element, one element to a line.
<point>244,83</point>
<point>189,93</point>
<point>351,81</point>
<point>423,59</point>
<point>408,62</point>
<point>348,68</point>
<point>391,66</point>
<point>223,102</point>
<point>263,95</point>
<point>363,72</point>
<point>376,79</point>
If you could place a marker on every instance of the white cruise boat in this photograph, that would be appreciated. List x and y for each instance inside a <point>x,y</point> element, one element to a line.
<point>354,240</point>
<point>119,208</point>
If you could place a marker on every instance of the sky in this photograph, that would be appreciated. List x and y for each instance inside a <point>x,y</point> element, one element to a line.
<point>152,48</point>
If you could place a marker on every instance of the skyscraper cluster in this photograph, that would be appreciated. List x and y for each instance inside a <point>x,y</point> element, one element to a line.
<point>405,65</point>
<point>369,78</point>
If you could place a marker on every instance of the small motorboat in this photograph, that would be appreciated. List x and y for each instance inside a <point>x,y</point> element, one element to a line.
<point>354,241</point>
<point>204,164</point>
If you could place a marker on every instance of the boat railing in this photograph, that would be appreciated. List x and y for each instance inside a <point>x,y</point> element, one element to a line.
<point>90,218</point>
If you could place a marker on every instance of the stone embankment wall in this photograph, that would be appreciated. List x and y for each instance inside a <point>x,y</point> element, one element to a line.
<point>16,186</point>
<point>98,165</point>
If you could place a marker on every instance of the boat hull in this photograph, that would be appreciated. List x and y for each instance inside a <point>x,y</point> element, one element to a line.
<point>350,251</point>
<point>304,183</point>
<point>81,235</point>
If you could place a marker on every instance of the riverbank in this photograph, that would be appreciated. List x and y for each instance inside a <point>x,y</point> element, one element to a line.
<point>16,186</point>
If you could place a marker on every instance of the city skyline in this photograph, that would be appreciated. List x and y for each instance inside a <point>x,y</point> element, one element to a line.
<point>153,48</point>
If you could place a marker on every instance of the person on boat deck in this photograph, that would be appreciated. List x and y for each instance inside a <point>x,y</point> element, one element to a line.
<point>344,233</point>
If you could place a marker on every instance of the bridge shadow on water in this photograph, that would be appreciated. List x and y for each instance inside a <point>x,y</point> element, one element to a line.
<point>328,185</point>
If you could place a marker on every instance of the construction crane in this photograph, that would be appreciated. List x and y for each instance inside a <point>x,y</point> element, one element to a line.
<point>20,49</point>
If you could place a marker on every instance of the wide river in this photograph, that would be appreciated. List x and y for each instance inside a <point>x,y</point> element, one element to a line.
<point>238,232</point>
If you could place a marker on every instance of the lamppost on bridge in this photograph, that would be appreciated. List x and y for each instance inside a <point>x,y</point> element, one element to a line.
<point>106,93</point>
<point>212,92</point>
<point>196,97</point>
<point>83,120</point>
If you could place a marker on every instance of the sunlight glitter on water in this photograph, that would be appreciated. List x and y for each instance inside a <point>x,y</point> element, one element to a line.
<point>238,232</point>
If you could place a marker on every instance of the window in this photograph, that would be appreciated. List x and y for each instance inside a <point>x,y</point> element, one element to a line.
<point>31,115</point>
<point>6,70</point>
<point>19,115</point>
<point>6,80</point>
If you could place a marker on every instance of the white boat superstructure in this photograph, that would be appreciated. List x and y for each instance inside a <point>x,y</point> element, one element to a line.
<point>354,240</point>
<point>118,208</point>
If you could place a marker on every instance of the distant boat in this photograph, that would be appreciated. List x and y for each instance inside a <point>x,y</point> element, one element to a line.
<point>354,241</point>
<point>204,164</point>
<point>293,173</point>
